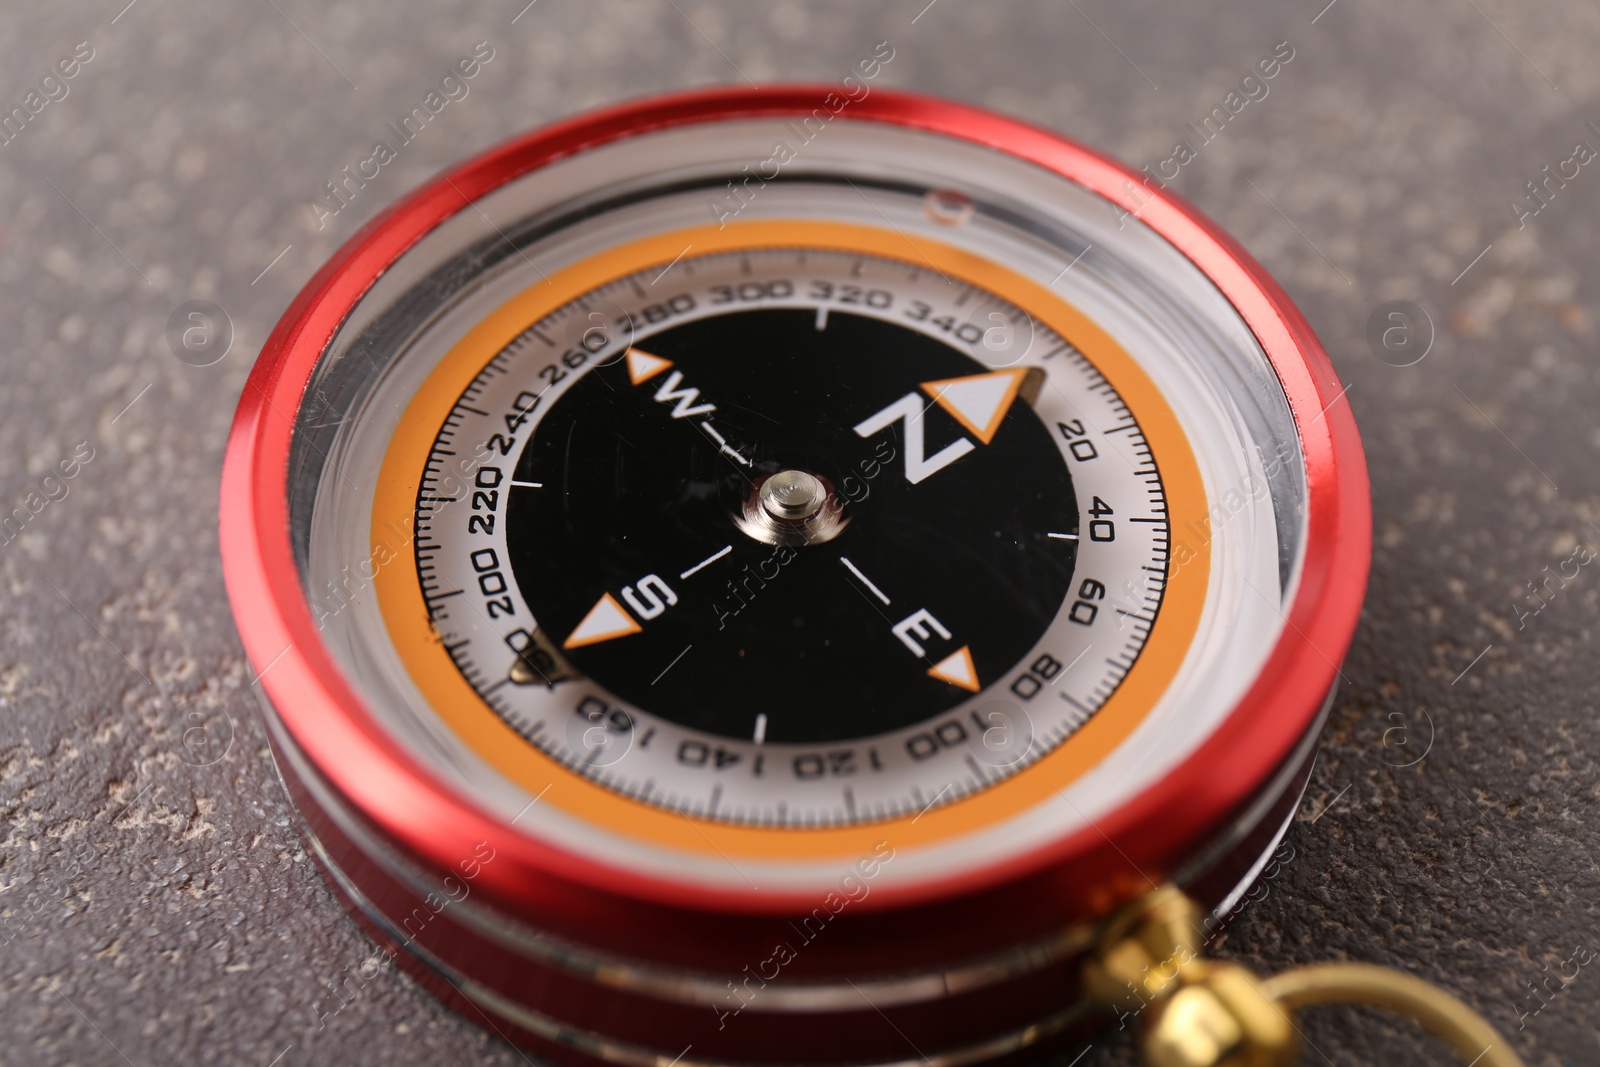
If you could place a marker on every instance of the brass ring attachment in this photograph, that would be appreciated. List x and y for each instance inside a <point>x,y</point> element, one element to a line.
<point>1197,1012</point>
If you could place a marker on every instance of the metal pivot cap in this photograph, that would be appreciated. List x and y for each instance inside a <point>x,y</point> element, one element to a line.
<point>793,495</point>
<point>792,507</point>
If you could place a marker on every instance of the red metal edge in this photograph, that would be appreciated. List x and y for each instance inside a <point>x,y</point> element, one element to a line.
<point>1082,875</point>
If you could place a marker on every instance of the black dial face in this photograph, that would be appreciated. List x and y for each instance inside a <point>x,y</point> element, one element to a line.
<point>792,526</point>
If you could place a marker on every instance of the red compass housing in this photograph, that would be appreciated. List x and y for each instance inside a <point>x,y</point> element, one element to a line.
<point>605,923</point>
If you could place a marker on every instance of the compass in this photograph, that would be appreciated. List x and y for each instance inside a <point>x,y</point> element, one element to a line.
<point>780,633</point>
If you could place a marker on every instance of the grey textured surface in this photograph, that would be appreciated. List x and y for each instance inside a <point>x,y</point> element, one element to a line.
<point>159,907</point>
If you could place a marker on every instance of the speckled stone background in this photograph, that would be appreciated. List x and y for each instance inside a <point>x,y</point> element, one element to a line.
<point>157,905</point>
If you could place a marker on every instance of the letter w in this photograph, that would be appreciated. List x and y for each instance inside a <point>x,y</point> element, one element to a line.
<point>918,467</point>
<point>682,400</point>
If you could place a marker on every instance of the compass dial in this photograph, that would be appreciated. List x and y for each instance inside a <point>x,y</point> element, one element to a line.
<point>788,598</point>
<point>799,536</point>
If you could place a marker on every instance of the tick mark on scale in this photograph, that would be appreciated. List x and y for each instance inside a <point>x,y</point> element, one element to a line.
<point>722,443</point>
<point>760,736</point>
<point>1063,537</point>
<point>822,318</point>
<point>708,561</point>
<point>853,569</point>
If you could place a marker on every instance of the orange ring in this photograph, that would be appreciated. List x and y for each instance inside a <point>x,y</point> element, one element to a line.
<point>459,706</point>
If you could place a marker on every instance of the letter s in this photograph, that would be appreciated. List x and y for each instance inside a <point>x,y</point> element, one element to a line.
<point>652,597</point>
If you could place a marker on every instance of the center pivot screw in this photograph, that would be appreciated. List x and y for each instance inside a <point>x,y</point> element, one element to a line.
<point>793,495</point>
<point>792,507</point>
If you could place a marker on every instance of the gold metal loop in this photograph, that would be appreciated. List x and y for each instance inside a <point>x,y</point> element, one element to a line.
<point>1193,1011</point>
<point>1362,983</point>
